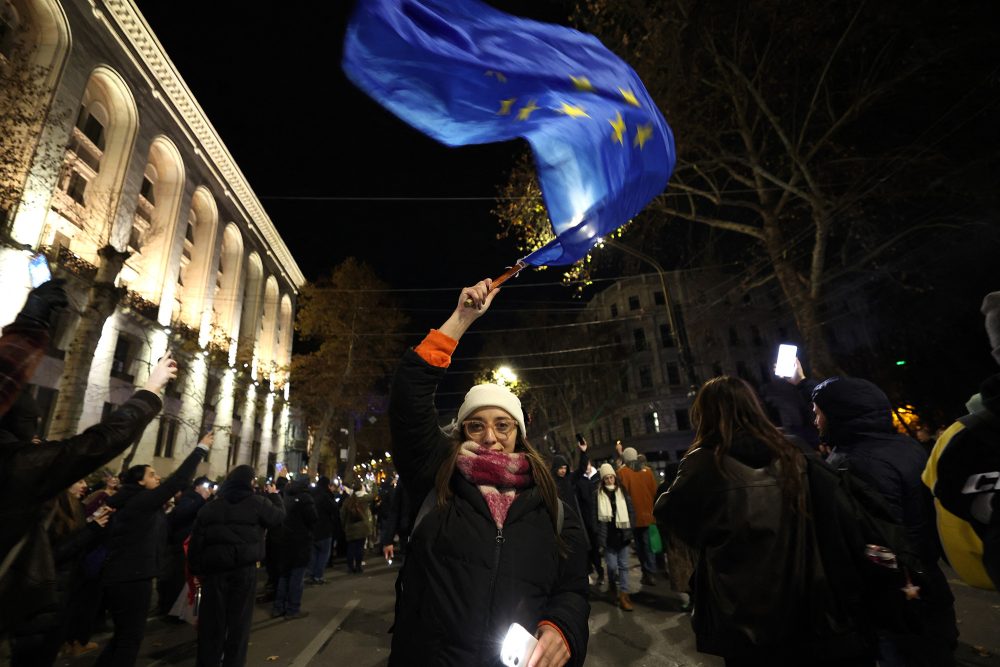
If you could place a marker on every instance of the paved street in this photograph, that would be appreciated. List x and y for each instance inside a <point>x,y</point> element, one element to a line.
<point>349,617</point>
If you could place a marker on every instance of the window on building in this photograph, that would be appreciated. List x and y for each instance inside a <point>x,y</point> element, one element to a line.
<point>659,298</point>
<point>716,369</point>
<point>734,337</point>
<point>135,239</point>
<point>166,437</point>
<point>76,187</point>
<point>8,30</point>
<point>755,336</point>
<point>666,337</point>
<point>742,371</point>
<point>645,377</point>
<point>651,422</point>
<point>45,398</point>
<point>633,303</point>
<point>121,362</point>
<point>673,374</point>
<point>639,337</point>
<point>614,310</point>
<point>765,373</point>
<point>624,383</point>
<point>255,453</point>
<point>626,427</point>
<point>92,128</point>
<point>683,421</point>
<point>146,190</point>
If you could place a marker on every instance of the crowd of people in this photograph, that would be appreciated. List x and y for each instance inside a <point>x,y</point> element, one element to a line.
<point>800,527</point>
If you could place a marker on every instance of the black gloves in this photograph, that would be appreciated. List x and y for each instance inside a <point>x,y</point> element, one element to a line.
<point>42,302</point>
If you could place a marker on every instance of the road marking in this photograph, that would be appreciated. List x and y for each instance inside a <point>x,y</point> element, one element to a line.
<point>310,651</point>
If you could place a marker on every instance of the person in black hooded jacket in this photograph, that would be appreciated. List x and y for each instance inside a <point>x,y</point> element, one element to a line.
<point>854,417</point>
<point>741,501</point>
<point>489,551</point>
<point>138,536</point>
<point>295,550</point>
<point>227,541</point>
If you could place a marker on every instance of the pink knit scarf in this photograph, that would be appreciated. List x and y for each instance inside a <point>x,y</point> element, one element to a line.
<point>498,475</point>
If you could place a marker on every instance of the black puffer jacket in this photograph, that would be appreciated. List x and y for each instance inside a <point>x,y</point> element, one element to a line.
<point>327,511</point>
<point>229,531</point>
<point>464,583</point>
<point>296,535</point>
<point>138,528</point>
<point>760,589</point>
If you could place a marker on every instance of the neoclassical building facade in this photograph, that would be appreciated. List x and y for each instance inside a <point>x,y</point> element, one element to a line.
<point>118,153</point>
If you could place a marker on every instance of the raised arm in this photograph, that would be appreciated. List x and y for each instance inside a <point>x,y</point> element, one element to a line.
<point>178,480</point>
<point>418,445</point>
<point>50,467</point>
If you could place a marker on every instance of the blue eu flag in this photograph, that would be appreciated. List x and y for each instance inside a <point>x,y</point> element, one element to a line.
<point>465,73</point>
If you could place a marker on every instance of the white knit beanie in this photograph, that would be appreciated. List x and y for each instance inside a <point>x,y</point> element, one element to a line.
<point>606,470</point>
<point>492,396</point>
<point>629,454</point>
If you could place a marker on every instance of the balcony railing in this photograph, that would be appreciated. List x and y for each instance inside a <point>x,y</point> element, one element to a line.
<point>137,304</point>
<point>71,263</point>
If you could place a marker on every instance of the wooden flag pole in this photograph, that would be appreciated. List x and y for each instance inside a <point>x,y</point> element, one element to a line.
<point>502,278</point>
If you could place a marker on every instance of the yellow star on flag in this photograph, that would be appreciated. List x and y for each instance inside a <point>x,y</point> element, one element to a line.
<point>572,111</point>
<point>642,133</point>
<point>505,106</point>
<point>619,128</point>
<point>526,110</point>
<point>629,96</point>
<point>499,75</point>
<point>582,83</point>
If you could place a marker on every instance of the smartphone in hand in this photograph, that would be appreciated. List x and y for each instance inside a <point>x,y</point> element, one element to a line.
<point>38,270</point>
<point>517,646</point>
<point>786,360</point>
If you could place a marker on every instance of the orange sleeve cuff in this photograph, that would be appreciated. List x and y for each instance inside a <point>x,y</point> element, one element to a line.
<point>561,635</point>
<point>436,349</point>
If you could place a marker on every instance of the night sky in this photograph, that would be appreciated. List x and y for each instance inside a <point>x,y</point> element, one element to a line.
<point>271,84</point>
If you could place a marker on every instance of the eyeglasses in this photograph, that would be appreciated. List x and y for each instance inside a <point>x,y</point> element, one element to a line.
<point>476,428</point>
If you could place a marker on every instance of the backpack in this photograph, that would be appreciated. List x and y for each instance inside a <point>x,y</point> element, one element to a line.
<point>866,553</point>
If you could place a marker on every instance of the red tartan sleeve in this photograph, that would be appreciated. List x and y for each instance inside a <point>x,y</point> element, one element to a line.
<point>21,350</point>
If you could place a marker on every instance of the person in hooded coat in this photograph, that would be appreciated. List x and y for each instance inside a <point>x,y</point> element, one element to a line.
<point>227,541</point>
<point>171,581</point>
<point>136,541</point>
<point>295,550</point>
<point>854,418</point>
<point>327,514</point>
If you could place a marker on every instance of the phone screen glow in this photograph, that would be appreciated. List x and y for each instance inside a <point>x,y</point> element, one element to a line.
<point>38,270</point>
<point>786,360</point>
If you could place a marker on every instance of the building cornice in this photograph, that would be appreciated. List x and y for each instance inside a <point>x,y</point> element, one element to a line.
<point>208,144</point>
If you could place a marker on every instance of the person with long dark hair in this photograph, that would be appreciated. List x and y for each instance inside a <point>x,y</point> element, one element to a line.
<point>491,545</point>
<point>741,501</point>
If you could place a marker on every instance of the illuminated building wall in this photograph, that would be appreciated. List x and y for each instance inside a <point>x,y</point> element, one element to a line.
<point>122,154</point>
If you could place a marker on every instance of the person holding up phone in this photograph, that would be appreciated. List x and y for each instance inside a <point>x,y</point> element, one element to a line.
<point>492,544</point>
<point>134,549</point>
<point>31,474</point>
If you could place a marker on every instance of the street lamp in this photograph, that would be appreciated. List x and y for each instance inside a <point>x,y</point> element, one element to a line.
<point>505,376</point>
<point>682,351</point>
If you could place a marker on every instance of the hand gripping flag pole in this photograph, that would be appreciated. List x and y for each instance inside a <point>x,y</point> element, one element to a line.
<point>511,272</point>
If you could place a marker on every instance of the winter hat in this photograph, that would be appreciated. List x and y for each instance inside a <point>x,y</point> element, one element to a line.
<point>630,455</point>
<point>242,475</point>
<point>492,396</point>
<point>558,461</point>
<point>606,470</point>
<point>323,482</point>
<point>842,399</point>
<point>991,309</point>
